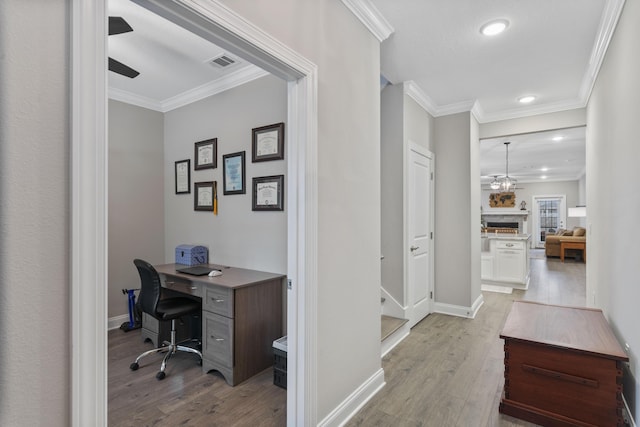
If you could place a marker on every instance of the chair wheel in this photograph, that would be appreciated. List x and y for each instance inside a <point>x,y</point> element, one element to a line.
<point>160,375</point>
<point>134,366</point>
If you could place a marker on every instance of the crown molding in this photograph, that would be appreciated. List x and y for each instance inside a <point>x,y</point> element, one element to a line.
<point>134,99</point>
<point>237,78</point>
<point>414,91</point>
<point>371,17</point>
<point>608,23</point>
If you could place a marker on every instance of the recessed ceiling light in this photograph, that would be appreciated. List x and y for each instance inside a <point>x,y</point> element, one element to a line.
<point>544,169</point>
<point>558,138</point>
<point>526,99</point>
<point>494,27</point>
<point>543,177</point>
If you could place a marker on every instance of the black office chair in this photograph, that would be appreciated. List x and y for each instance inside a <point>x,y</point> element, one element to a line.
<point>162,309</point>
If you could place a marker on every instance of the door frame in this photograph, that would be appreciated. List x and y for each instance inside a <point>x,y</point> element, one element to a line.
<point>536,214</point>
<point>89,196</point>
<point>408,289</point>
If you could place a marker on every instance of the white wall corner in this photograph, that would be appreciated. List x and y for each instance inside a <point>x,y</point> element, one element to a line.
<point>608,22</point>
<point>371,17</point>
<point>477,111</point>
<point>459,310</point>
<point>355,401</point>
<point>417,94</point>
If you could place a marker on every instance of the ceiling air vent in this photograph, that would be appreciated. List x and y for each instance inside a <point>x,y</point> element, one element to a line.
<point>222,61</point>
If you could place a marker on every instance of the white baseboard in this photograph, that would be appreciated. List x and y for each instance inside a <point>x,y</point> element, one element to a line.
<point>390,342</point>
<point>459,310</point>
<point>391,307</point>
<point>356,400</point>
<point>115,322</point>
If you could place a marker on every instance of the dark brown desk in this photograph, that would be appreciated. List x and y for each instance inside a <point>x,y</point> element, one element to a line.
<point>562,366</point>
<point>242,313</point>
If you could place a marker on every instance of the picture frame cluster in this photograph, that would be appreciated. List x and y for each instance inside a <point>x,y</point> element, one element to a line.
<point>267,144</point>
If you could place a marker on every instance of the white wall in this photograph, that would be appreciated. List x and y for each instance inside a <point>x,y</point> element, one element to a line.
<point>237,236</point>
<point>392,166</point>
<point>457,185</point>
<point>540,122</point>
<point>348,60</point>
<point>35,385</point>
<point>612,157</point>
<point>136,197</point>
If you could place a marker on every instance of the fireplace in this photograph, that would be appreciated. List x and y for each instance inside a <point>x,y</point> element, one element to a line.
<point>503,224</point>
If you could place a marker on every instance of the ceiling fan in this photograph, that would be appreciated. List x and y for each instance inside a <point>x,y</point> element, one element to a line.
<point>117,25</point>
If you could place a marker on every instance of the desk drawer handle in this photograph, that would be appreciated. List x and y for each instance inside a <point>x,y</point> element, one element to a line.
<point>217,339</point>
<point>509,245</point>
<point>216,300</point>
<point>194,288</point>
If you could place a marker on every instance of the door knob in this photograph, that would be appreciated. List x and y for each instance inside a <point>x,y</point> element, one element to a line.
<point>414,248</point>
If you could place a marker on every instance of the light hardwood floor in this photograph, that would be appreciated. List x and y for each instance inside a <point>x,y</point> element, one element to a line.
<point>448,372</point>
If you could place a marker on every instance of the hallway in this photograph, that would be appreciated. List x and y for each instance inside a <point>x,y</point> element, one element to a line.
<point>449,371</point>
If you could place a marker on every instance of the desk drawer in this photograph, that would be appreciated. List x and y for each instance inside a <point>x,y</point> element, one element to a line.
<point>502,244</point>
<point>217,339</point>
<point>218,300</point>
<point>182,287</point>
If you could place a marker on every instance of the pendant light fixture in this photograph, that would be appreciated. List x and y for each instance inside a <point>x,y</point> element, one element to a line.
<point>506,183</point>
<point>495,184</point>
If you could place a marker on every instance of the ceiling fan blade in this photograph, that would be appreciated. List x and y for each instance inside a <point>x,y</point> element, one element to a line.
<point>117,25</point>
<point>120,68</point>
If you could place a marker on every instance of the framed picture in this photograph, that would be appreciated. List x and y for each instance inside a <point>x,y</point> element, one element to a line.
<point>233,173</point>
<point>183,176</point>
<point>268,143</point>
<point>268,193</point>
<point>203,195</point>
<point>205,154</point>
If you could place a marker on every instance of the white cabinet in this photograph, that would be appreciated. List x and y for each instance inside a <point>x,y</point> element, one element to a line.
<point>486,266</point>
<point>507,262</point>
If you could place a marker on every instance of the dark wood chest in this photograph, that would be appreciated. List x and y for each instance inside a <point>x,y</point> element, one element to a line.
<point>562,366</point>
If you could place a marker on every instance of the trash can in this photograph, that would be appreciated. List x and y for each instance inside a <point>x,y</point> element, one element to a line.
<point>280,362</point>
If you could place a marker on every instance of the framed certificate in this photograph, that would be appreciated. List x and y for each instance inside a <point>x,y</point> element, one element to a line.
<point>183,176</point>
<point>203,193</point>
<point>268,143</point>
<point>233,173</point>
<point>268,193</point>
<point>205,154</point>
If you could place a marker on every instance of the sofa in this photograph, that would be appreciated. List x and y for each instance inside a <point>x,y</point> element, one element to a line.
<point>552,241</point>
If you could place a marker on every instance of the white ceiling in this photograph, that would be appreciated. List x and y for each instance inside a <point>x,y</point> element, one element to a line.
<point>551,49</point>
<point>173,62</point>
<point>535,157</point>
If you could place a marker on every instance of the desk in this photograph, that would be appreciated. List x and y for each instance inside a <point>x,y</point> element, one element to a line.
<point>242,314</point>
<point>573,245</point>
<point>562,366</point>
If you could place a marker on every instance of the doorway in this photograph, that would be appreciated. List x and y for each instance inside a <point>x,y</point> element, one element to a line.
<point>549,215</point>
<point>89,195</point>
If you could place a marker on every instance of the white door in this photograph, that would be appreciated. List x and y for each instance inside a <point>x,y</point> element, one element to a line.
<point>549,214</point>
<point>419,233</point>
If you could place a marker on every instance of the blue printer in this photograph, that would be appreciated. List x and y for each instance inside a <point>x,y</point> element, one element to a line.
<point>191,255</point>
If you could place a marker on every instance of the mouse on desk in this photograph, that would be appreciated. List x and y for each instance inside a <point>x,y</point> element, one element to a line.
<point>214,273</point>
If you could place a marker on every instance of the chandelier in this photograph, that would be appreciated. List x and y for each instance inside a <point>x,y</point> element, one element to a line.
<point>506,183</point>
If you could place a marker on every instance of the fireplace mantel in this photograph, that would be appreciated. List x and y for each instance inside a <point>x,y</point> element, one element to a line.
<point>503,213</point>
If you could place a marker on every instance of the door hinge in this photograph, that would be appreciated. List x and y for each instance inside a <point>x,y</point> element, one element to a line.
<point>289,285</point>
<point>431,176</point>
<point>431,294</point>
<point>431,235</point>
